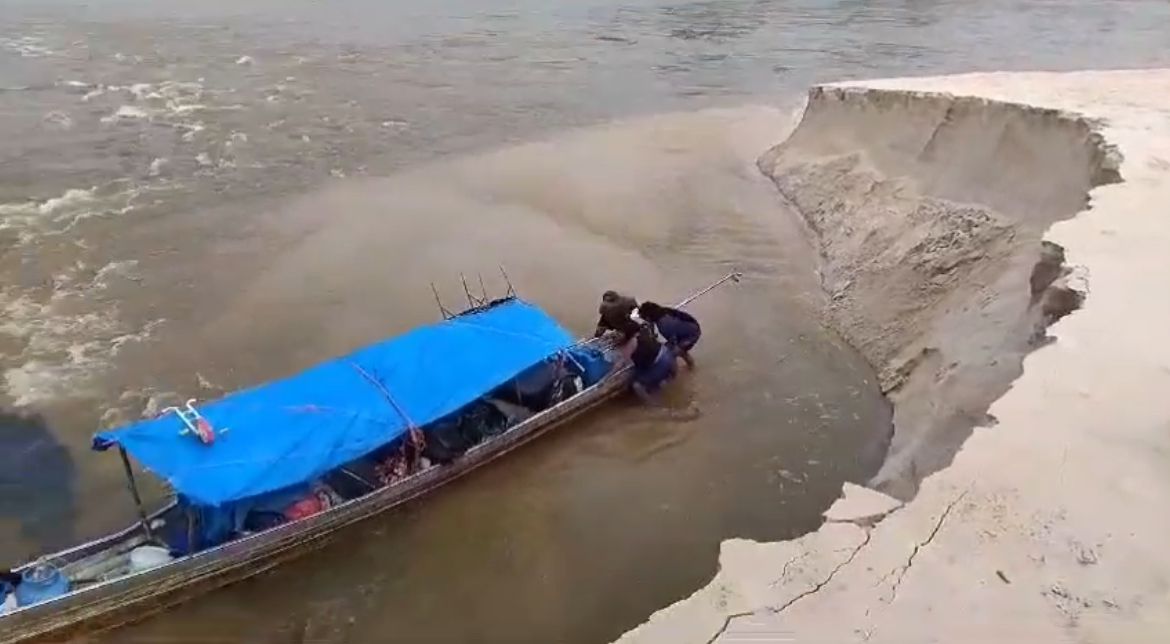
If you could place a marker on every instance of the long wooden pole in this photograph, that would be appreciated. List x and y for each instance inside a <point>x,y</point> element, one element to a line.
<point>134,491</point>
<point>733,276</point>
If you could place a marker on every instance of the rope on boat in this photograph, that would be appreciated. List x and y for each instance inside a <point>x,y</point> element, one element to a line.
<point>416,434</point>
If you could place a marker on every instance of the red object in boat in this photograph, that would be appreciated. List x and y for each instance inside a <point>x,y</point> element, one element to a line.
<point>204,430</point>
<point>304,508</point>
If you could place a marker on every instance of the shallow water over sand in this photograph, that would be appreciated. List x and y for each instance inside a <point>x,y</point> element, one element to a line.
<point>198,197</point>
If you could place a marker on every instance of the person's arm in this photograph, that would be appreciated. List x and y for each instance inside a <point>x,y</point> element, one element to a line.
<point>602,327</point>
<point>627,349</point>
<point>626,341</point>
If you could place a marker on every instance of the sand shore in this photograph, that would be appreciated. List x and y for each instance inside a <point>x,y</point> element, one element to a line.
<point>995,244</point>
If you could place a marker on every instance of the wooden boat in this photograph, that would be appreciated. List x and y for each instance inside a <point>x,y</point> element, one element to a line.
<point>108,585</point>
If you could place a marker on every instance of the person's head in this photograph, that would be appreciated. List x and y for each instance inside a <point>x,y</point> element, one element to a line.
<point>612,300</point>
<point>651,311</point>
<point>608,301</point>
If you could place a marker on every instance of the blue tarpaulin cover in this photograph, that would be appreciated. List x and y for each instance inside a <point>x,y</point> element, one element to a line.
<point>293,430</point>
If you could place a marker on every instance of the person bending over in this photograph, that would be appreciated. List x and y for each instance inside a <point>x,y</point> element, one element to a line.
<point>654,363</point>
<point>615,311</point>
<point>680,329</point>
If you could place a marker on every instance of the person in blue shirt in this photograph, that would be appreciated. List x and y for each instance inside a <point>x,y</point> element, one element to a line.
<point>680,329</point>
<point>654,362</point>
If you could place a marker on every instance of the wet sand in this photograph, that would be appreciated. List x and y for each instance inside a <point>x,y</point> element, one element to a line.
<point>929,213</point>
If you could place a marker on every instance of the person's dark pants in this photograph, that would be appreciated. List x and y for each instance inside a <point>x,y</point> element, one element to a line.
<point>684,338</point>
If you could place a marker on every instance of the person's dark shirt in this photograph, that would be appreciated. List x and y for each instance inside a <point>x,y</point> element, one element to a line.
<point>615,316</point>
<point>681,315</point>
<point>674,324</point>
<point>647,347</point>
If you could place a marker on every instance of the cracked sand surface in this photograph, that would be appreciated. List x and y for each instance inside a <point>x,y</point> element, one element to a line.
<point>1050,525</point>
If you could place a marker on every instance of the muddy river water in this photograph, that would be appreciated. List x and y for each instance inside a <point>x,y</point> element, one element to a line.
<point>196,197</point>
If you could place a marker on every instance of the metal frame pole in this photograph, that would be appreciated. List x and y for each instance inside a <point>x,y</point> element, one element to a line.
<point>134,491</point>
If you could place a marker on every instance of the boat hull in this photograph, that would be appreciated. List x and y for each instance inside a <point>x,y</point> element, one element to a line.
<point>134,597</point>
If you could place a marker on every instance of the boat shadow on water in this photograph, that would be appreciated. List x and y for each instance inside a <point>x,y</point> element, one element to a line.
<point>37,477</point>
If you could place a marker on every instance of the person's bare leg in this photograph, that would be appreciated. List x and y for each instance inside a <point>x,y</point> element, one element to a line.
<point>686,356</point>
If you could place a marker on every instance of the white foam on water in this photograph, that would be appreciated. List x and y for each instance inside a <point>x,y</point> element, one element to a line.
<point>205,383</point>
<point>93,93</point>
<point>45,328</point>
<point>39,381</point>
<point>126,113</point>
<point>72,198</point>
<point>116,343</point>
<point>30,383</point>
<point>26,47</point>
<point>181,90</point>
<point>78,87</point>
<point>177,108</point>
<point>63,346</point>
<point>138,404</point>
<point>17,216</point>
<point>156,166</point>
<point>192,129</point>
<point>245,60</point>
<point>123,268</point>
<point>156,401</point>
<point>154,102</point>
<point>26,217</point>
<point>34,219</point>
<point>143,91</point>
<point>58,120</point>
<point>67,275</point>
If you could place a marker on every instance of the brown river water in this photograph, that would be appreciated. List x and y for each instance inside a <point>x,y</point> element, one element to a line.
<point>196,197</point>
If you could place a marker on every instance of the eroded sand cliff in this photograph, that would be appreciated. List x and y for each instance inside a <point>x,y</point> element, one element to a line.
<point>929,200</point>
<point>928,212</point>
